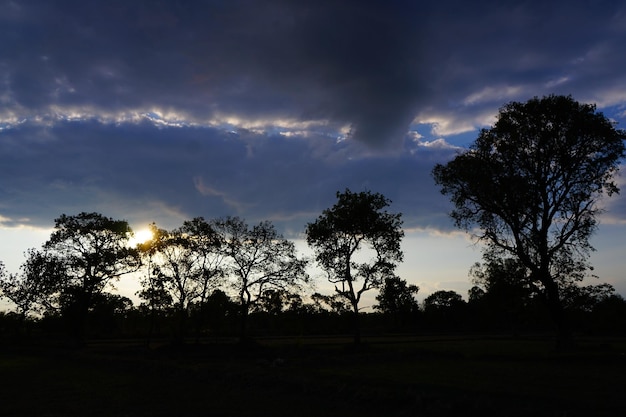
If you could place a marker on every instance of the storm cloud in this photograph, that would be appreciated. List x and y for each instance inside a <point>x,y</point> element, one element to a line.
<point>166,110</point>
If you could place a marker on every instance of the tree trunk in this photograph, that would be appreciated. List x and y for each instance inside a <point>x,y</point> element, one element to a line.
<point>553,300</point>
<point>243,329</point>
<point>357,325</point>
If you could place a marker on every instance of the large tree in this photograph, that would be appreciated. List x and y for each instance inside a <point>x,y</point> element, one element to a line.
<point>94,251</point>
<point>530,187</point>
<point>258,259</point>
<point>357,243</point>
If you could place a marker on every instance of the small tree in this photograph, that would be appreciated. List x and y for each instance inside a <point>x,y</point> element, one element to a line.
<point>397,297</point>
<point>258,258</point>
<point>32,290</point>
<point>530,186</point>
<point>357,224</point>
<point>396,300</point>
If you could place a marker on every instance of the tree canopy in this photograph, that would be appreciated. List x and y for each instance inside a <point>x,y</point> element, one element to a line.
<point>357,224</point>
<point>258,259</point>
<point>531,186</point>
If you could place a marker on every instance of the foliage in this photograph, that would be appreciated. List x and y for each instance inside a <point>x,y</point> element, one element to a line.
<point>442,299</point>
<point>84,253</point>
<point>32,290</point>
<point>174,266</point>
<point>257,259</point>
<point>183,266</point>
<point>358,222</point>
<point>532,183</point>
<point>397,297</point>
<point>334,303</point>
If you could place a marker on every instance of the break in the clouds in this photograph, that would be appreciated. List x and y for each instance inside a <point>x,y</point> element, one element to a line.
<point>166,110</point>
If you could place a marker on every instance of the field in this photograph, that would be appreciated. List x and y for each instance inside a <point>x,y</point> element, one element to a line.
<point>387,376</point>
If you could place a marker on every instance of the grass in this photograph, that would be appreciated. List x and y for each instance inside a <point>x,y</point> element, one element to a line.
<point>389,376</point>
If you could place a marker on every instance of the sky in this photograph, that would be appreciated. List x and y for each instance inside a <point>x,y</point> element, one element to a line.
<point>161,111</point>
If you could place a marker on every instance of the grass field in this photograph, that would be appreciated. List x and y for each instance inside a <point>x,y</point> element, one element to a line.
<point>388,376</point>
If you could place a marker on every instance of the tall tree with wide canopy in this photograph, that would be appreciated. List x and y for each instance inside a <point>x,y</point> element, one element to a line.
<point>530,187</point>
<point>94,252</point>
<point>357,243</point>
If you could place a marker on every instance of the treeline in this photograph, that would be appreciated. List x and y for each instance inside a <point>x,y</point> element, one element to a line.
<point>224,278</point>
<point>281,314</point>
<point>248,269</point>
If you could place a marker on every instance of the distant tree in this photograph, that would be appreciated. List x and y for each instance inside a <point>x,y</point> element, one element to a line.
<point>396,300</point>
<point>397,297</point>
<point>357,226</point>
<point>609,315</point>
<point>442,299</point>
<point>93,251</point>
<point>585,298</point>
<point>32,290</point>
<point>272,301</point>
<point>507,292</point>
<point>218,311</point>
<point>444,308</point>
<point>258,258</point>
<point>475,294</point>
<point>531,186</point>
<point>335,303</point>
<point>108,312</point>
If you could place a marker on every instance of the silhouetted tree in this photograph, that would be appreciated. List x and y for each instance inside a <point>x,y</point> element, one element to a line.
<point>180,263</point>
<point>220,310</point>
<point>32,290</point>
<point>206,242</point>
<point>258,258</point>
<point>93,251</point>
<point>444,308</point>
<point>356,226</point>
<point>531,184</point>
<point>396,299</point>
<point>507,291</point>
<point>157,299</point>
<point>336,303</point>
<point>107,313</point>
<point>442,299</point>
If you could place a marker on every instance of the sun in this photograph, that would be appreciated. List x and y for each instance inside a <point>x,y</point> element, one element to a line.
<point>140,236</point>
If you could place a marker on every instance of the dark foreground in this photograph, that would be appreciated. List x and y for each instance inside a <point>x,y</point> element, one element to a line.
<point>389,376</point>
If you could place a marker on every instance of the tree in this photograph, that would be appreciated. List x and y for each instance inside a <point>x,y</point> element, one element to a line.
<point>397,301</point>
<point>531,186</point>
<point>33,288</point>
<point>205,242</point>
<point>94,251</point>
<point>397,297</point>
<point>506,291</point>
<point>442,300</point>
<point>357,226</point>
<point>444,308</point>
<point>258,258</point>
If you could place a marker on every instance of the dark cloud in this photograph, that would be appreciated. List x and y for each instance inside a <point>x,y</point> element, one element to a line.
<point>136,171</point>
<point>171,109</point>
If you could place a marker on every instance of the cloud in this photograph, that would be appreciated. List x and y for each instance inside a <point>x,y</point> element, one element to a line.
<point>168,110</point>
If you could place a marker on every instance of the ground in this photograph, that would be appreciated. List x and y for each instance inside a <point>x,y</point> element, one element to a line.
<point>388,376</point>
